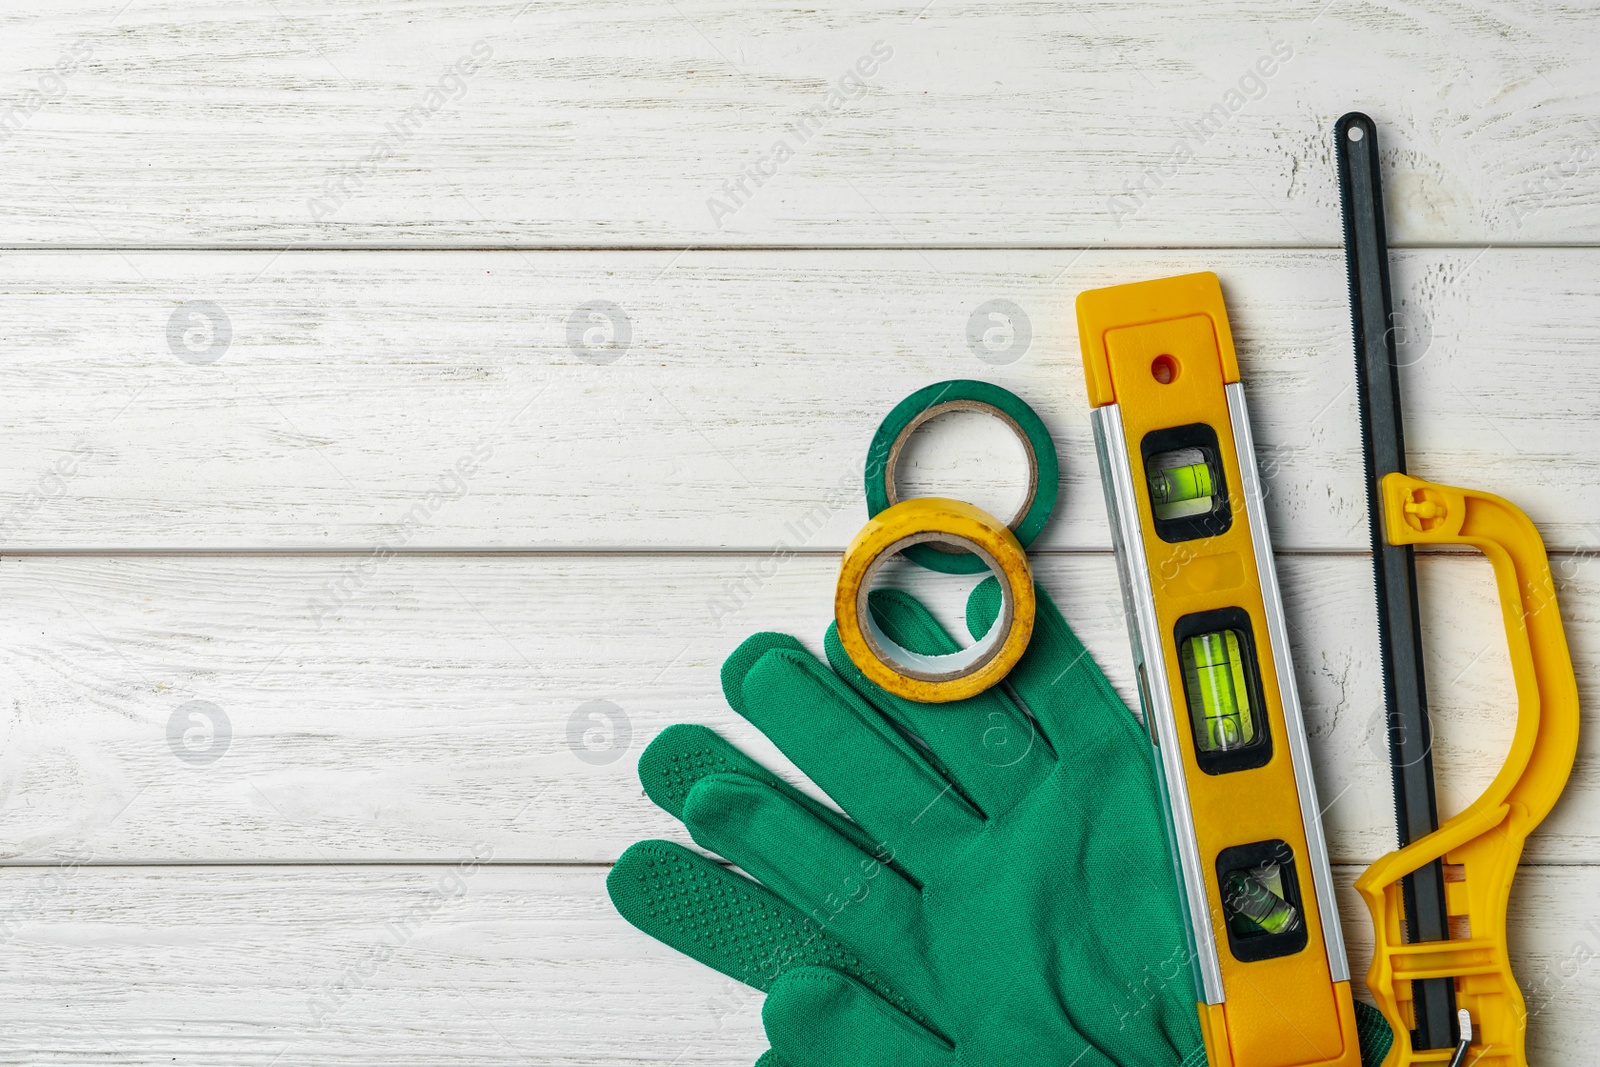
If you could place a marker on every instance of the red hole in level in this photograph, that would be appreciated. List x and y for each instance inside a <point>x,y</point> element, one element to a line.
<point>1164,369</point>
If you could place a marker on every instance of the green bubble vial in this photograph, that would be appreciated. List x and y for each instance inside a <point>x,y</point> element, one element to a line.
<point>1253,900</point>
<point>1182,483</point>
<point>1174,486</point>
<point>1219,697</point>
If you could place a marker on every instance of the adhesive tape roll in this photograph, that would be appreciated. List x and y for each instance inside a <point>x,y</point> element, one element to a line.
<point>934,679</point>
<point>963,394</point>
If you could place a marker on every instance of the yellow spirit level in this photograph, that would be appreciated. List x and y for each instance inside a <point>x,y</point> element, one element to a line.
<point>1215,678</point>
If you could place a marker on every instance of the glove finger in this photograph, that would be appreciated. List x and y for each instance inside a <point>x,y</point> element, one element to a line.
<point>853,895</point>
<point>815,1017</point>
<point>683,754</point>
<point>985,744</point>
<point>1374,1033</point>
<point>1058,680</point>
<point>1112,775</point>
<point>725,921</point>
<point>882,779</point>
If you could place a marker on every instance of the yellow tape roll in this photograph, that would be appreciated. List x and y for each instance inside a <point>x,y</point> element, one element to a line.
<point>934,679</point>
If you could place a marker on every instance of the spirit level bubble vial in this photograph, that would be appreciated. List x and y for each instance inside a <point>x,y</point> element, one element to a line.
<point>1215,679</point>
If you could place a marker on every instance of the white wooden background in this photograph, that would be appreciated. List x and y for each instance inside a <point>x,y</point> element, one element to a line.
<point>248,328</point>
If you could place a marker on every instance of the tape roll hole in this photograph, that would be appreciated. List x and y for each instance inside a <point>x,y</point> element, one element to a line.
<point>952,665</point>
<point>956,445</point>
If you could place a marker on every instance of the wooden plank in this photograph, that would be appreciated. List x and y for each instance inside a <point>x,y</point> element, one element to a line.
<point>273,124</point>
<point>352,385</point>
<point>360,965</point>
<point>490,965</point>
<point>439,701</point>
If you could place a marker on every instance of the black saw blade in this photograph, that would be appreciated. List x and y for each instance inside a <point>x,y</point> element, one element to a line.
<point>1394,567</point>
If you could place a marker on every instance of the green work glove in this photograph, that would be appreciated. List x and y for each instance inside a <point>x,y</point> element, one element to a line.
<point>1000,892</point>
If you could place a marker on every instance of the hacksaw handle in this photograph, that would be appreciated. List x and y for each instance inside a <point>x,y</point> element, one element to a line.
<point>1481,845</point>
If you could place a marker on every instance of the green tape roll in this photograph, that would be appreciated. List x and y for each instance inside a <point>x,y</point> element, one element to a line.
<point>962,394</point>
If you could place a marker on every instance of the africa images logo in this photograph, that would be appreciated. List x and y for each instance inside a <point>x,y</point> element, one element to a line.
<point>852,85</point>
<point>343,184</point>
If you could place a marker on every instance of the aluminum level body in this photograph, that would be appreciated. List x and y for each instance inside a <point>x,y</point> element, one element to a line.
<point>1215,678</point>
<point>1156,688</point>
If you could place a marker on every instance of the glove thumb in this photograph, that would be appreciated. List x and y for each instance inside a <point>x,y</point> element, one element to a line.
<point>816,1017</point>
